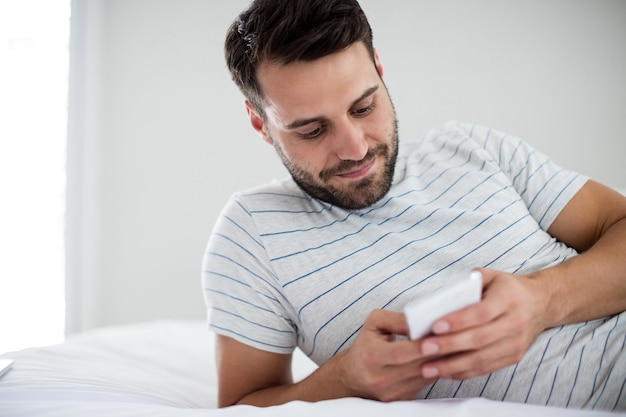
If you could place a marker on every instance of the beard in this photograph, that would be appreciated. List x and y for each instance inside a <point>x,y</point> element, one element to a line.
<point>356,195</point>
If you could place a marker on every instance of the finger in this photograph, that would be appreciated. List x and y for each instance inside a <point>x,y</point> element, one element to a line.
<point>401,353</point>
<point>488,309</point>
<point>491,367</point>
<point>479,366</point>
<point>488,276</point>
<point>377,344</point>
<point>469,317</point>
<point>400,382</point>
<point>472,338</point>
<point>387,322</point>
<point>405,371</point>
<point>392,382</point>
<point>406,390</point>
<point>502,353</point>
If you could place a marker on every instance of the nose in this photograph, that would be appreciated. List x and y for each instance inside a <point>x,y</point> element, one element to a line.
<point>349,141</point>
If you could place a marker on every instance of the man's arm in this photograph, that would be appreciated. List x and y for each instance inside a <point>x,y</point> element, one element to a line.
<point>593,283</point>
<point>374,366</point>
<point>498,331</point>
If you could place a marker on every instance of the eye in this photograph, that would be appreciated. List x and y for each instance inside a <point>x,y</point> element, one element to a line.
<point>312,133</point>
<point>364,111</point>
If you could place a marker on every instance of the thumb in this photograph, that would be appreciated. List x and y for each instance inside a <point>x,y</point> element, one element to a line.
<point>387,322</point>
<point>488,276</point>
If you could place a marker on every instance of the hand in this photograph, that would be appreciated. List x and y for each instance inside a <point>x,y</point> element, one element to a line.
<point>490,335</point>
<point>380,367</point>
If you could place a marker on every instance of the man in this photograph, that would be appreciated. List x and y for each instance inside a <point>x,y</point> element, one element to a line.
<point>326,260</point>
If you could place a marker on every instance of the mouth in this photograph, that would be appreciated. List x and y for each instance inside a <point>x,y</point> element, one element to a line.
<point>359,171</point>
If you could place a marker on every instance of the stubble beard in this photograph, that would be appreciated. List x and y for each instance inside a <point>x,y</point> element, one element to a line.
<point>359,194</point>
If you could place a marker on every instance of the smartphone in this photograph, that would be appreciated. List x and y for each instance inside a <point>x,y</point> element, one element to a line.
<point>421,313</point>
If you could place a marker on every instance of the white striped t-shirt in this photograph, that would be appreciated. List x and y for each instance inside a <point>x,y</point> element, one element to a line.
<point>283,269</point>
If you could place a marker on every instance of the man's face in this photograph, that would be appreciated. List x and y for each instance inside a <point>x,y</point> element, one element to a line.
<point>333,125</point>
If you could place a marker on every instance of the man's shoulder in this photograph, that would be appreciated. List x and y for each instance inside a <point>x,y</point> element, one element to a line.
<point>271,195</point>
<point>468,136</point>
<point>460,130</point>
<point>447,135</point>
<point>285,184</point>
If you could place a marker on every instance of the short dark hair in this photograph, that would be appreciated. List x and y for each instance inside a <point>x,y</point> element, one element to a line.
<point>286,31</point>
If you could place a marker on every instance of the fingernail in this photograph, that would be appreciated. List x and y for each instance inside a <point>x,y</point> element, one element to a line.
<point>429,372</point>
<point>441,327</point>
<point>430,348</point>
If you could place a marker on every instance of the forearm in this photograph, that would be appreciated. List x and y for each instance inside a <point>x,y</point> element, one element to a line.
<point>375,366</point>
<point>590,285</point>
<point>324,383</point>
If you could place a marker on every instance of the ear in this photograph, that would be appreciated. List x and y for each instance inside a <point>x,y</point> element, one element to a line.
<point>379,66</point>
<point>257,123</point>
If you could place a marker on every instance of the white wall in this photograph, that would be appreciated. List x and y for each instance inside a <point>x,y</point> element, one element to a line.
<point>159,139</point>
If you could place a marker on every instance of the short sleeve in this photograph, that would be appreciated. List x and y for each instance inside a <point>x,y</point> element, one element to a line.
<point>243,298</point>
<point>545,187</point>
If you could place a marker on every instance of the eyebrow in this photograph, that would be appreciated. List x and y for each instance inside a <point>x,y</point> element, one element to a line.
<point>304,122</point>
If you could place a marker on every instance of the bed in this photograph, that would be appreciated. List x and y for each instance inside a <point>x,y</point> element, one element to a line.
<point>165,368</point>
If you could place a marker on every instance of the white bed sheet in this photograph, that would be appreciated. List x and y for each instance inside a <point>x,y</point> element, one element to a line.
<point>165,368</point>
